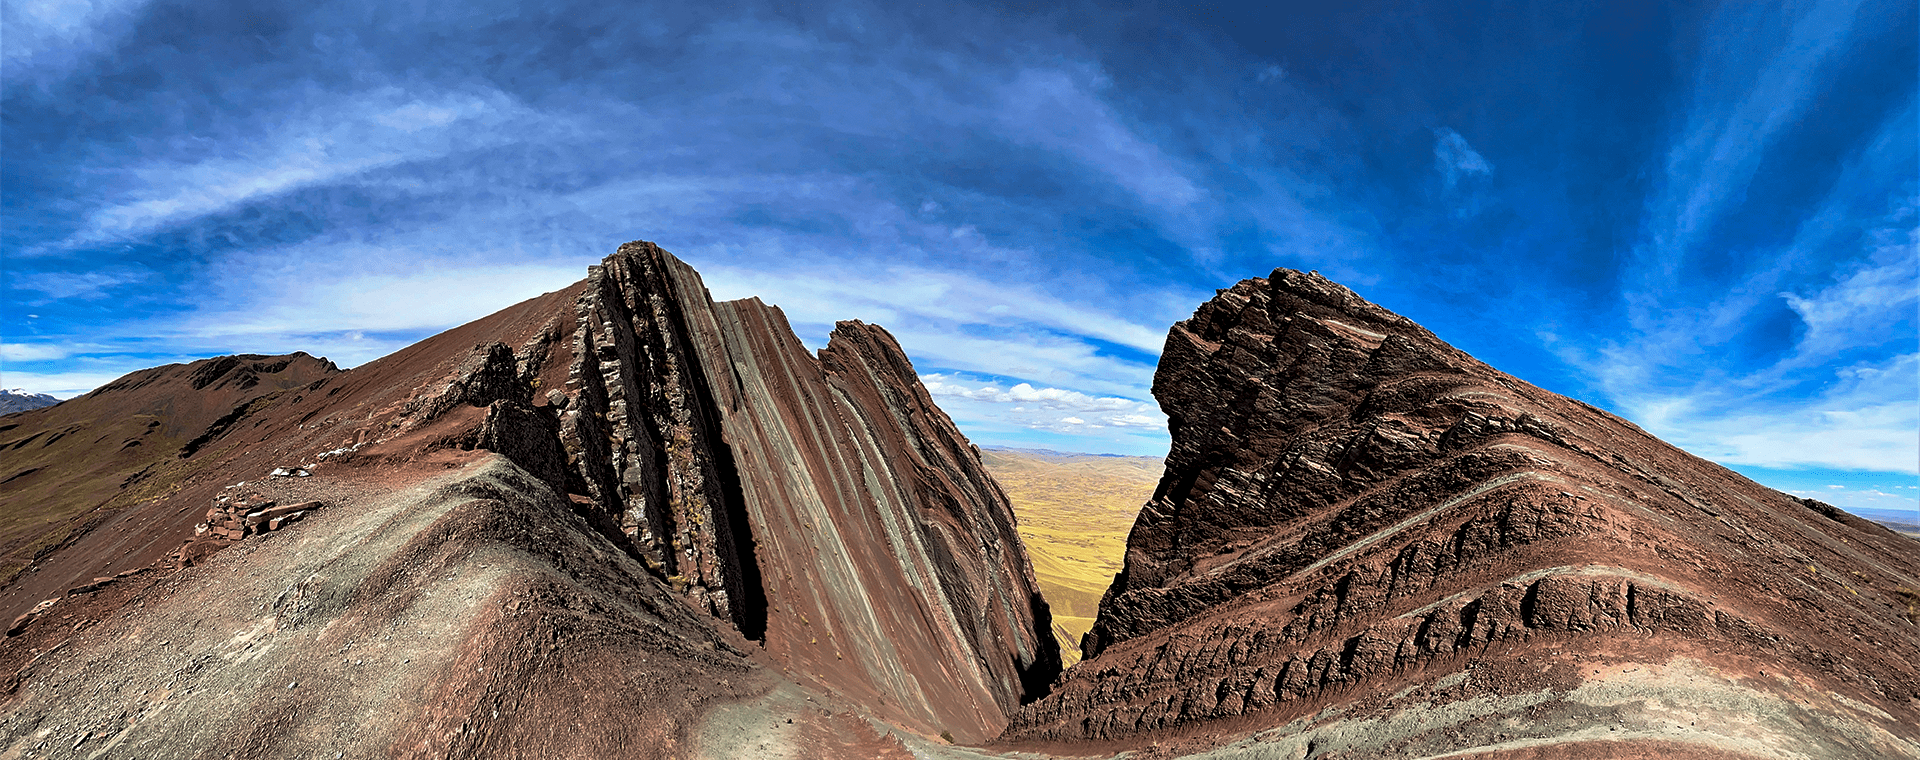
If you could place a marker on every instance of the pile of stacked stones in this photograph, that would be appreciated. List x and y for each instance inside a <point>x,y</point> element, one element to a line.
<point>237,519</point>
<point>231,520</point>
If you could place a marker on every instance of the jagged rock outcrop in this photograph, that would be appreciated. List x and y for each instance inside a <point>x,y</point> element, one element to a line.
<point>824,505</point>
<point>1353,509</point>
<point>856,560</point>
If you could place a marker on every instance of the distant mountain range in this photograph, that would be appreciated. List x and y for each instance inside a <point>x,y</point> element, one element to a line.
<point>1902,520</point>
<point>1062,454</point>
<point>20,400</point>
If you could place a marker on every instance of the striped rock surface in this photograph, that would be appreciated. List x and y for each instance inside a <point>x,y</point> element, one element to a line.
<point>1359,520</point>
<point>823,504</point>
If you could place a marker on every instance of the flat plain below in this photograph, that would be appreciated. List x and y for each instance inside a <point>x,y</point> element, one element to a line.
<point>1075,511</point>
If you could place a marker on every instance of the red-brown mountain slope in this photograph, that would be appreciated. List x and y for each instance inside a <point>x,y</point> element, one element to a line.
<point>685,519</point>
<point>67,468</point>
<point>1383,547</point>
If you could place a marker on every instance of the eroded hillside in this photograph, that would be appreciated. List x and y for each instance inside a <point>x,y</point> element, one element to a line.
<point>682,509</point>
<point>623,520</point>
<point>1380,546</point>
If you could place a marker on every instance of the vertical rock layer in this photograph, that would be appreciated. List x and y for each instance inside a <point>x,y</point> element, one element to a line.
<point>1349,500</point>
<point>823,505</point>
<point>655,456</point>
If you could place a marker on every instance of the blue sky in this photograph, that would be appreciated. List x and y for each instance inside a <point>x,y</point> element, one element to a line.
<point>1700,217</point>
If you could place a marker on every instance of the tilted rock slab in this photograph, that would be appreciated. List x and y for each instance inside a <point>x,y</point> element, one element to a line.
<point>824,505</point>
<point>1353,508</point>
<point>662,468</point>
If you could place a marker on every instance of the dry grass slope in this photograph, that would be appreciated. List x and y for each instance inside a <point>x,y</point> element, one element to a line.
<point>1075,511</point>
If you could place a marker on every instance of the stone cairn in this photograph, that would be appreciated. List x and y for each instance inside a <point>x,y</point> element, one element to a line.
<point>233,519</point>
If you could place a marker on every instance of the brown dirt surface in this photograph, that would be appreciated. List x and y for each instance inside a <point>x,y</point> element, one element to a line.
<point>1353,508</point>
<point>469,613</point>
<point>121,514</point>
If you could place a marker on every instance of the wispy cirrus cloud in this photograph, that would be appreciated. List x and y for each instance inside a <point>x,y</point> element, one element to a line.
<point>48,38</point>
<point>922,295</point>
<point>1455,159</point>
<point>1866,422</point>
<point>335,139</point>
<point>1804,353</point>
<point>36,352</point>
<point>93,284</point>
<point>1059,110</point>
<point>1019,197</point>
<point>1767,65</point>
<point>1857,310</point>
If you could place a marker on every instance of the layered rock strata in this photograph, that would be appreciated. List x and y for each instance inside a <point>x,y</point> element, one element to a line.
<point>1352,507</point>
<point>825,506</point>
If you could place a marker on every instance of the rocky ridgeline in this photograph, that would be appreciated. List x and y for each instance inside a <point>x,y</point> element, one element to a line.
<point>1348,499</point>
<point>822,505</point>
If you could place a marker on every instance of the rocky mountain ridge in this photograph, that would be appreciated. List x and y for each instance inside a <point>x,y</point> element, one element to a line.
<point>1354,509</point>
<point>624,520</point>
<point>635,497</point>
<point>20,400</point>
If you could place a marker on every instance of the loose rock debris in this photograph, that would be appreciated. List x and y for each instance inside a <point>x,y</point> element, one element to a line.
<point>232,520</point>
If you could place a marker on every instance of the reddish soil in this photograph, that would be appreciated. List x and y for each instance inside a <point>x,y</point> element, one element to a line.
<point>1352,507</point>
<point>555,599</point>
<point>621,520</point>
<point>72,467</point>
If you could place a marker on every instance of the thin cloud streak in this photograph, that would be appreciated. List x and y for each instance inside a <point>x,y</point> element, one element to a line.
<point>1455,159</point>
<point>337,140</point>
<point>1724,142</point>
<point>49,38</point>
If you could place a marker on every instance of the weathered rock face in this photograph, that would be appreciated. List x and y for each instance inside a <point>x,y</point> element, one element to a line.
<point>825,506</point>
<point>1352,507</point>
<point>821,505</point>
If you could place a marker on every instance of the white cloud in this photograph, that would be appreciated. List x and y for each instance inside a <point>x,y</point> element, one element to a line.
<point>1040,408</point>
<point>437,294</point>
<point>1455,159</point>
<point>49,37</point>
<point>1058,110</point>
<point>947,297</point>
<point>66,385</point>
<point>1867,422</point>
<point>1843,394</point>
<point>39,352</point>
<point>90,284</point>
<point>334,139</point>
<point>1856,310</point>
<point>1773,81</point>
<point>1060,362</point>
